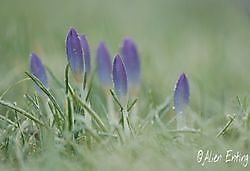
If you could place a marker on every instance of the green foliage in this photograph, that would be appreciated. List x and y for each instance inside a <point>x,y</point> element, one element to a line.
<point>208,40</point>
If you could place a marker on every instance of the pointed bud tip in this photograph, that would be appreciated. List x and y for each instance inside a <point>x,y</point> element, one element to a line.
<point>101,44</point>
<point>33,57</point>
<point>183,77</point>
<point>72,31</point>
<point>128,41</point>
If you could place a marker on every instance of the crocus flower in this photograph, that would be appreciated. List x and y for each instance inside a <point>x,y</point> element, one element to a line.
<point>75,54</point>
<point>38,70</point>
<point>86,54</point>
<point>181,94</point>
<point>131,60</point>
<point>120,78</point>
<point>104,66</point>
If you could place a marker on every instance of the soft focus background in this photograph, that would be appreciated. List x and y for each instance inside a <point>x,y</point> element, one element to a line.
<point>209,40</point>
<point>206,39</point>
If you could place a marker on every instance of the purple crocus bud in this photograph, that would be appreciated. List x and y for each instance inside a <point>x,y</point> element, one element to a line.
<point>181,94</point>
<point>104,66</point>
<point>38,70</point>
<point>131,60</point>
<point>85,47</point>
<point>120,77</point>
<point>75,54</point>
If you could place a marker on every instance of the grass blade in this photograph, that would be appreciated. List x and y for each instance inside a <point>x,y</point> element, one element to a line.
<point>116,99</point>
<point>46,91</point>
<point>76,99</point>
<point>231,119</point>
<point>18,82</point>
<point>132,105</point>
<point>94,115</point>
<point>67,79</point>
<point>8,121</point>
<point>21,111</point>
<point>70,115</point>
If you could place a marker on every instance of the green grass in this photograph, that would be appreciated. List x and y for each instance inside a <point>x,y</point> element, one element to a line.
<point>208,40</point>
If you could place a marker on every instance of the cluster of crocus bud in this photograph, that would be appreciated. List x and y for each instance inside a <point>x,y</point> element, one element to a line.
<point>123,74</point>
<point>125,70</point>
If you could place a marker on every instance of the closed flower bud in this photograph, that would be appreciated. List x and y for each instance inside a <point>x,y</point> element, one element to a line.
<point>131,61</point>
<point>181,94</point>
<point>75,55</point>
<point>86,53</point>
<point>104,66</point>
<point>38,70</point>
<point>120,78</point>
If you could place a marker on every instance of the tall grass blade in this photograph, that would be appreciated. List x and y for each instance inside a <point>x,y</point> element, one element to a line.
<point>77,100</point>
<point>3,118</point>
<point>21,111</point>
<point>46,91</point>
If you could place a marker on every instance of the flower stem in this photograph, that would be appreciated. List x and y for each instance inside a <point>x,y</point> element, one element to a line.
<point>125,123</point>
<point>180,120</point>
<point>83,94</point>
<point>112,117</point>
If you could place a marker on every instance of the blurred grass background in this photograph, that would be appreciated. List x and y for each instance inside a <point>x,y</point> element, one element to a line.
<point>209,40</point>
